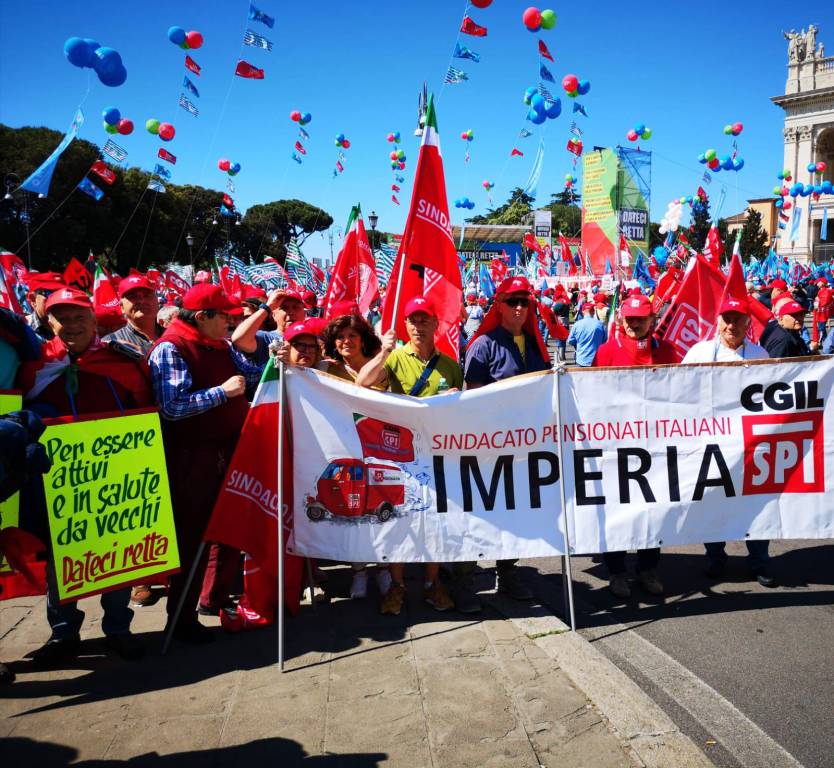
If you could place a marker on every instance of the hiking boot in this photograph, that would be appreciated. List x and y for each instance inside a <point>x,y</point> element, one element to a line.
<point>392,603</point>
<point>512,585</point>
<point>618,584</point>
<point>128,646</point>
<point>465,597</point>
<point>764,578</point>
<point>649,581</point>
<point>437,596</point>
<point>142,596</point>
<point>359,585</point>
<point>56,651</point>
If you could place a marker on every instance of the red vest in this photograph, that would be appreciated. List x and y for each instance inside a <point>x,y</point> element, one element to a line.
<point>624,351</point>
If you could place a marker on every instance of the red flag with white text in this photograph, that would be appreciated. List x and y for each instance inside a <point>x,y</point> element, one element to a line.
<point>353,277</point>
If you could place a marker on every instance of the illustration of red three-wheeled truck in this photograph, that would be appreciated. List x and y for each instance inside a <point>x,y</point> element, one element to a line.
<point>353,488</point>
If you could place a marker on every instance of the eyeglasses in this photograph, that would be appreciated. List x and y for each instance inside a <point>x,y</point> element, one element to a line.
<point>45,292</point>
<point>302,347</point>
<point>518,301</point>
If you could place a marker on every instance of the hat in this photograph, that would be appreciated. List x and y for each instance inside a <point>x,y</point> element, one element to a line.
<point>203,276</point>
<point>316,325</point>
<point>46,281</point>
<point>780,284</point>
<point>419,304</point>
<point>290,295</point>
<point>730,304</point>
<point>636,306</point>
<point>132,282</point>
<point>309,298</point>
<point>586,305</point>
<point>482,300</point>
<point>517,284</point>
<point>601,298</point>
<point>341,308</point>
<point>300,329</point>
<point>471,295</point>
<point>206,296</point>
<point>790,307</point>
<point>68,296</point>
<point>822,281</point>
<point>253,293</point>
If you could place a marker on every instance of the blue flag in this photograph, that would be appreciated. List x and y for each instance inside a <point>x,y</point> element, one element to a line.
<point>544,73</point>
<point>577,107</point>
<point>162,172</point>
<point>462,52</point>
<point>88,188</point>
<point>256,15</point>
<point>824,225</point>
<point>485,279</point>
<point>188,85</point>
<point>797,216</point>
<point>40,179</point>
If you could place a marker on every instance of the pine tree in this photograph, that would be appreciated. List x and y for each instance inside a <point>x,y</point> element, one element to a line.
<point>754,240</point>
<point>699,225</point>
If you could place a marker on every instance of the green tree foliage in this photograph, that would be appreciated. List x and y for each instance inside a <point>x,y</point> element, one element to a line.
<point>566,210</point>
<point>517,208</point>
<point>754,240</point>
<point>699,226</point>
<point>131,226</point>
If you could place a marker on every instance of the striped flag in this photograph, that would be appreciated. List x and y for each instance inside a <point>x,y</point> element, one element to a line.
<point>304,135</point>
<point>575,129</point>
<point>385,257</point>
<point>189,86</point>
<point>454,75</point>
<point>267,275</point>
<point>156,186</point>
<point>257,41</point>
<point>299,269</point>
<point>230,185</point>
<point>524,133</point>
<point>113,150</point>
<point>188,105</point>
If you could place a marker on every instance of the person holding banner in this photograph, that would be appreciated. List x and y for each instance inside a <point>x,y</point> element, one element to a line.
<point>633,344</point>
<point>732,345</point>
<point>286,308</point>
<point>79,375</point>
<point>41,286</point>
<point>199,380</point>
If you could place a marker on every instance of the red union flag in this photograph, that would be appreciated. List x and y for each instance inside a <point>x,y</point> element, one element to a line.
<point>245,69</point>
<point>191,65</point>
<point>469,27</point>
<point>384,441</point>
<point>164,154</point>
<point>427,257</point>
<point>103,172</point>
<point>354,273</point>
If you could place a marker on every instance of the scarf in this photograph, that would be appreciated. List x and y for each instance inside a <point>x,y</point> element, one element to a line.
<point>181,330</point>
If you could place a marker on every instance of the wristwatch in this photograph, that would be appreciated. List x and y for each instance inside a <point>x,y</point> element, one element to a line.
<point>265,308</point>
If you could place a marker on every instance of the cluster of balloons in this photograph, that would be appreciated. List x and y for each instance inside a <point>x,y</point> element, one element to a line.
<point>185,40</point>
<point>233,169</point>
<point>672,218</point>
<point>464,202</point>
<point>574,86</point>
<point>639,132</point>
<point>802,190</point>
<point>820,167</point>
<point>398,158</point>
<point>106,62</point>
<point>733,129</point>
<point>165,131</point>
<point>394,136</point>
<point>716,163</point>
<point>487,184</point>
<point>342,142</point>
<point>540,108</point>
<point>300,117</point>
<point>467,135</point>
<point>115,123</point>
<point>534,19</point>
<point>570,180</point>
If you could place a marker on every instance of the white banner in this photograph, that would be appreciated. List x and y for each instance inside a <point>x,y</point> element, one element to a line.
<point>653,457</point>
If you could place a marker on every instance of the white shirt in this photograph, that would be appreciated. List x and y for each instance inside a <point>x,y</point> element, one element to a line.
<point>713,351</point>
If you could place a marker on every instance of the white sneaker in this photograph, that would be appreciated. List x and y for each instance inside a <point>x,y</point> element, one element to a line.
<point>359,585</point>
<point>383,580</point>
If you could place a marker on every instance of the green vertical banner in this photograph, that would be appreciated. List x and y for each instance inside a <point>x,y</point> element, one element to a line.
<point>634,182</point>
<point>10,508</point>
<point>599,208</point>
<point>108,503</point>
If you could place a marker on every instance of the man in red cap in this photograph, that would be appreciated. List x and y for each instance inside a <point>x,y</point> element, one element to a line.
<point>419,370</point>
<point>732,345</point>
<point>785,335</point>
<point>77,375</point>
<point>474,315</point>
<point>310,302</point>
<point>41,285</point>
<point>199,380</point>
<point>634,345</point>
<point>139,307</point>
<point>286,308</point>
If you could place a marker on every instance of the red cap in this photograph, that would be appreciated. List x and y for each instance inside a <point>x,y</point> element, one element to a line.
<point>316,325</point>
<point>47,281</point>
<point>822,281</point>
<point>471,295</point>
<point>586,305</point>
<point>779,283</point>
<point>207,296</point>
<point>483,300</point>
<point>290,295</point>
<point>300,329</point>
<point>419,304</point>
<point>203,276</point>
<point>133,282</point>
<point>68,296</point>
<point>346,307</point>
<point>517,284</point>
<point>309,298</point>
<point>636,306</point>
<point>790,307</point>
<point>731,304</point>
<point>253,293</point>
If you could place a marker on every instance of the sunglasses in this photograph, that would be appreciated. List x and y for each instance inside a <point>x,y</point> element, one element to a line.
<point>302,347</point>
<point>45,292</point>
<point>517,302</point>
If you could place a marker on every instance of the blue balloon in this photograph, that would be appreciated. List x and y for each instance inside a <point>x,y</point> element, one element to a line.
<point>306,117</point>
<point>538,103</point>
<point>528,94</point>
<point>535,118</point>
<point>811,167</point>
<point>702,158</point>
<point>235,168</point>
<point>738,163</point>
<point>639,128</point>
<point>827,186</point>
<point>113,78</point>
<point>176,35</point>
<point>583,87</point>
<point>111,115</point>
<point>553,109</point>
<point>778,202</point>
<point>818,189</point>
<point>94,45</point>
<point>106,61</point>
<point>77,51</point>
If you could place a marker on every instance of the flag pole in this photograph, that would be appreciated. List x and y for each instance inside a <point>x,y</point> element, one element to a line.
<point>566,565</point>
<point>172,621</point>
<point>397,292</point>
<point>280,468</point>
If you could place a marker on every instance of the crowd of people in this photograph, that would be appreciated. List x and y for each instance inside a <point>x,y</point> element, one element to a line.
<point>199,361</point>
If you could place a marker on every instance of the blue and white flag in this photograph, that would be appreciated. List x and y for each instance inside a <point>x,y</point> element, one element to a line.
<point>524,133</point>
<point>536,172</point>
<point>40,179</point>
<point>267,275</point>
<point>114,151</point>
<point>797,216</point>
<point>162,172</point>
<point>546,94</point>
<point>824,225</point>
<point>486,282</point>
<point>260,16</point>
<point>462,52</point>
<point>188,105</point>
<point>385,258</point>
<point>88,188</point>
<point>188,85</point>
<point>455,76</point>
<point>577,107</point>
<point>156,186</point>
<point>303,134</point>
<point>256,41</point>
<point>575,129</point>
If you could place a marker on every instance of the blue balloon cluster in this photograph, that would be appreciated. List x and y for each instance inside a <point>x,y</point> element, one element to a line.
<point>107,62</point>
<point>660,256</point>
<point>540,108</point>
<point>724,162</point>
<point>464,202</point>
<point>804,190</point>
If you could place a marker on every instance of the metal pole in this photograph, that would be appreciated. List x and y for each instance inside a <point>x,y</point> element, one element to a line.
<point>560,371</point>
<point>175,618</point>
<point>397,292</point>
<point>280,609</point>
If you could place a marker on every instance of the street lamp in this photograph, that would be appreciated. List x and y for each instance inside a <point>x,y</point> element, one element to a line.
<point>373,220</point>
<point>190,242</point>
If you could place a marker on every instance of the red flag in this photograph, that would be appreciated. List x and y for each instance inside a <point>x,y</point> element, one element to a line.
<point>77,276</point>
<point>427,257</point>
<point>300,148</point>
<point>155,277</point>
<point>543,50</point>
<point>691,316</point>
<point>384,441</point>
<point>531,243</point>
<point>575,146</point>
<point>395,188</point>
<point>227,201</point>
<point>12,272</point>
<point>516,153</point>
<point>164,154</point>
<point>736,288</point>
<point>231,284</point>
<point>715,248</point>
<point>103,172</point>
<point>175,283</point>
<point>469,27</point>
<point>339,166</point>
<point>245,69</point>
<point>192,65</point>
<point>354,273</point>
<point>394,199</point>
<point>105,299</point>
<point>667,286</point>
<point>497,271</point>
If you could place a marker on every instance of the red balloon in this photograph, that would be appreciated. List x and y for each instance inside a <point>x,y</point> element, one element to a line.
<point>223,164</point>
<point>532,19</point>
<point>125,126</point>
<point>401,166</point>
<point>166,131</point>
<point>632,135</point>
<point>737,128</point>
<point>481,3</point>
<point>570,83</point>
<point>393,155</point>
<point>714,163</point>
<point>346,144</point>
<point>194,39</point>
<point>295,116</point>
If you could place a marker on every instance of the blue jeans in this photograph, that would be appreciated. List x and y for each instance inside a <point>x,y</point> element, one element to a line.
<point>757,554</point>
<point>65,619</point>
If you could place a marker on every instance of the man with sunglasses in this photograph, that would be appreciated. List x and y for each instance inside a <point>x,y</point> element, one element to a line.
<point>508,343</point>
<point>41,286</point>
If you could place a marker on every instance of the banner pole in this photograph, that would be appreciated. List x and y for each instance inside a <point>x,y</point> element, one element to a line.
<point>181,602</point>
<point>397,292</point>
<point>280,468</point>
<point>560,371</point>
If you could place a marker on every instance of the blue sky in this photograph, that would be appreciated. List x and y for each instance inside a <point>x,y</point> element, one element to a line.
<point>683,69</point>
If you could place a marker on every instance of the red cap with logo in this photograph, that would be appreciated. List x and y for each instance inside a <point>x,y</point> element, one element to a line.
<point>780,284</point>
<point>730,304</point>
<point>300,329</point>
<point>587,306</point>
<point>636,306</point>
<point>419,304</point>
<point>132,283</point>
<point>517,284</point>
<point>790,307</point>
<point>290,295</point>
<point>206,296</point>
<point>68,297</point>
<point>253,293</point>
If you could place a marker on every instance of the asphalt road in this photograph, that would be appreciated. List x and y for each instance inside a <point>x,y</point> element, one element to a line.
<point>746,672</point>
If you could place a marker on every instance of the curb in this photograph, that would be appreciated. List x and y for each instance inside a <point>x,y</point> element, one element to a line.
<point>653,739</point>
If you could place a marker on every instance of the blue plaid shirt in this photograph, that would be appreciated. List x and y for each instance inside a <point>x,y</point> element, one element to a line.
<point>172,382</point>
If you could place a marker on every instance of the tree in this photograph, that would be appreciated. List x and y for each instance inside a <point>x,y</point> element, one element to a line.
<point>517,208</point>
<point>271,226</point>
<point>699,226</point>
<point>754,240</point>
<point>566,197</point>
